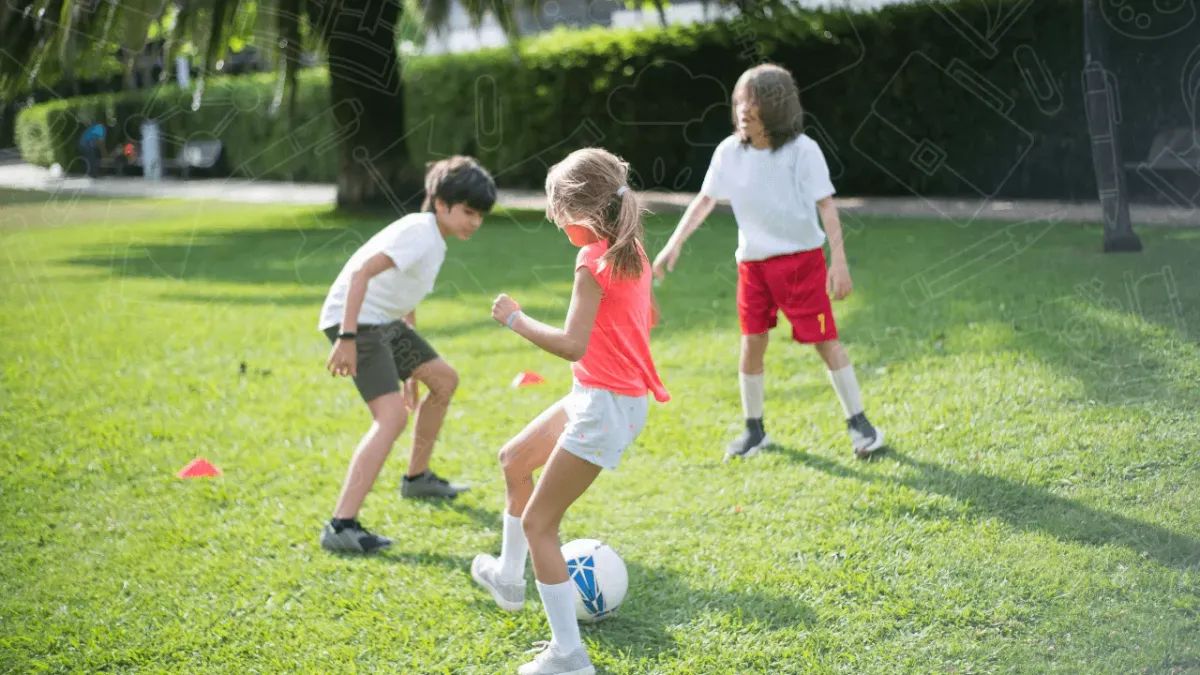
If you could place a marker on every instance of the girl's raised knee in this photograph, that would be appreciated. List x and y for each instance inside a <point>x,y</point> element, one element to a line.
<point>535,525</point>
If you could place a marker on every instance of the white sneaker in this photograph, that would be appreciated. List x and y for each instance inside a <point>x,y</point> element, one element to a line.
<point>510,596</point>
<point>865,437</point>
<point>551,662</point>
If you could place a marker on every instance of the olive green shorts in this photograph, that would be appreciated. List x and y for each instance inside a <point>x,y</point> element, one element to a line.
<point>387,355</point>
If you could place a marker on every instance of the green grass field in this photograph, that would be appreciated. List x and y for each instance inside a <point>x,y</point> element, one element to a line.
<point>1037,512</point>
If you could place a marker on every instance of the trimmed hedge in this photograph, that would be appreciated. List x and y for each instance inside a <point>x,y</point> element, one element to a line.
<point>660,99</point>
<point>901,100</point>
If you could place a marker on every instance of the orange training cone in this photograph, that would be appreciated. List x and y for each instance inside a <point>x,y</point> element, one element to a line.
<point>527,378</point>
<point>199,468</point>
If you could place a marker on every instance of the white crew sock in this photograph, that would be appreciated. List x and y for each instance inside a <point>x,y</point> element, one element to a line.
<point>752,395</point>
<point>846,386</point>
<point>559,601</point>
<point>513,550</point>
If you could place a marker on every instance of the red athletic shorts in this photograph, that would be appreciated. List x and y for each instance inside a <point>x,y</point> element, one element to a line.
<point>794,283</point>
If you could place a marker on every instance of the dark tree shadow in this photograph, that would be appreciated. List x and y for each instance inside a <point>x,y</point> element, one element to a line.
<point>13,196</point>
<point>398,556</point>
<point>1117,325</point>
<point>1023,506</point>
<point>660,599</point>
<point>307,299</point>
<point>489,518</point>
<point>918,286</point>
<point>310,249</point>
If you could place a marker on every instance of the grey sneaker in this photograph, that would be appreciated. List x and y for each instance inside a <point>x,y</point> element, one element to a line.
<point>551,662</point>
<point>753,439</point>
<point>352,538</point>
<point>485,570</point>
<point>865,437</point>
<point>429,484</point>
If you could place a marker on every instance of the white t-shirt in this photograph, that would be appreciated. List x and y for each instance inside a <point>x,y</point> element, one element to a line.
<point>417,250</point>
<point>774,195</point>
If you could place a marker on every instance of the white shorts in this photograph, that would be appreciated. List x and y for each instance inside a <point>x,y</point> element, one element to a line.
<point>601,424</point>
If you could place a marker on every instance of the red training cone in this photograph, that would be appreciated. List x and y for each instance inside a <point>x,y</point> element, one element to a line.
<point>527,378</point>
<point>199,468</point>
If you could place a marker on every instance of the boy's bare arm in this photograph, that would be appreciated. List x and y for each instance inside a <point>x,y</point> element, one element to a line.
<point>358,289</point>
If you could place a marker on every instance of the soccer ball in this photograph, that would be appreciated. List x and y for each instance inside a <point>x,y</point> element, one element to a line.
<point>599,576</point>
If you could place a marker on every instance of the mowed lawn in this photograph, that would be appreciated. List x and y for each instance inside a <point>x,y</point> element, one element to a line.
<point>1037,511</point>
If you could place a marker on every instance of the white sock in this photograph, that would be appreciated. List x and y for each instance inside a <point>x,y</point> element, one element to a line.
<point>846,386</point>
<point>513,550</point>
<point>752,395</point>
<point>559,601</point>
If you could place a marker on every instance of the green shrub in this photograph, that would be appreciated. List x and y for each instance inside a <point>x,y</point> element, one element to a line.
<point>659,98</point>
<point>256,139</point>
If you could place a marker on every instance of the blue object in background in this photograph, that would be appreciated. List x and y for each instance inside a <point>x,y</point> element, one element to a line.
<point>92,134</point>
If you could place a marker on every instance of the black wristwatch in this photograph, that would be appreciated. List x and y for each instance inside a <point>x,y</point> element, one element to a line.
<point>347,336</point>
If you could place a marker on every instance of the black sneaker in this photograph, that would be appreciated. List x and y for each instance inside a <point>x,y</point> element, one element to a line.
<point>753,439</point>
<point>352,537</point>
<point>866,438</point>
<point>429,484</point>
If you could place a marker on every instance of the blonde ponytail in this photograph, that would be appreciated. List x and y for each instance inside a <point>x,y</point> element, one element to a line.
<point>624,253</point>
<point>591,186</point>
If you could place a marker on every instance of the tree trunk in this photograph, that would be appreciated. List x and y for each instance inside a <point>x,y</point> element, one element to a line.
<point>1100,94</point>
<point>374,167</point>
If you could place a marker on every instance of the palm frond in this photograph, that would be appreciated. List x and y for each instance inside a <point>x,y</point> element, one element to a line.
<point>266,32</point>
<point>290,48</point>
<point>662,12</point>
<point>217,17</point>
<point>173,37</point>
<point>437,13</point>
<point>136,18</point>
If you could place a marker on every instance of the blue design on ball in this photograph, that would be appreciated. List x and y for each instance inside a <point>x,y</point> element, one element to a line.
<point>582,571</point>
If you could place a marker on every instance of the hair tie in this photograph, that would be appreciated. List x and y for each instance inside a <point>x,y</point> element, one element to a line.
<point>622,190</point>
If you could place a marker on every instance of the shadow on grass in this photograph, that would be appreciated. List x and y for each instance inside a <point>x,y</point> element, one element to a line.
<point>1119,325</point>
<point>13,196</point>
<point>1022,506</point>
<point>661,601</point>
<point>396,556</point>
<point>310,249</point>
<point>489,518</point>
<point>1088,315</point>
<point>511,255</point>
<point>305,300</point>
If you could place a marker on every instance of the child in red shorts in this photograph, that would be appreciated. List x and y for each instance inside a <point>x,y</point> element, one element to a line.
<point>777,180</point>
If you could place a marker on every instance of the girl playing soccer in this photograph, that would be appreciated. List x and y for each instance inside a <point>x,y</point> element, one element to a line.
<point>607,341</point>
<point>777,181</point>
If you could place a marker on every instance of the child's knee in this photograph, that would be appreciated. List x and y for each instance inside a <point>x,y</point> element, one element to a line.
<point>392,419</point>
<point>443,381</point>
<point>449,383</point>
<point>829,347</point>
<point>536,524</point>
<point>510,458</point>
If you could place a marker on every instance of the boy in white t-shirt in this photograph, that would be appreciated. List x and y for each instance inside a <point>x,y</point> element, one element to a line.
<point>777,181</point>
<point>369,316</point>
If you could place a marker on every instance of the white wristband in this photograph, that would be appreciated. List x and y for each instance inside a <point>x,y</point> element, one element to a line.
<point>512,317</point>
